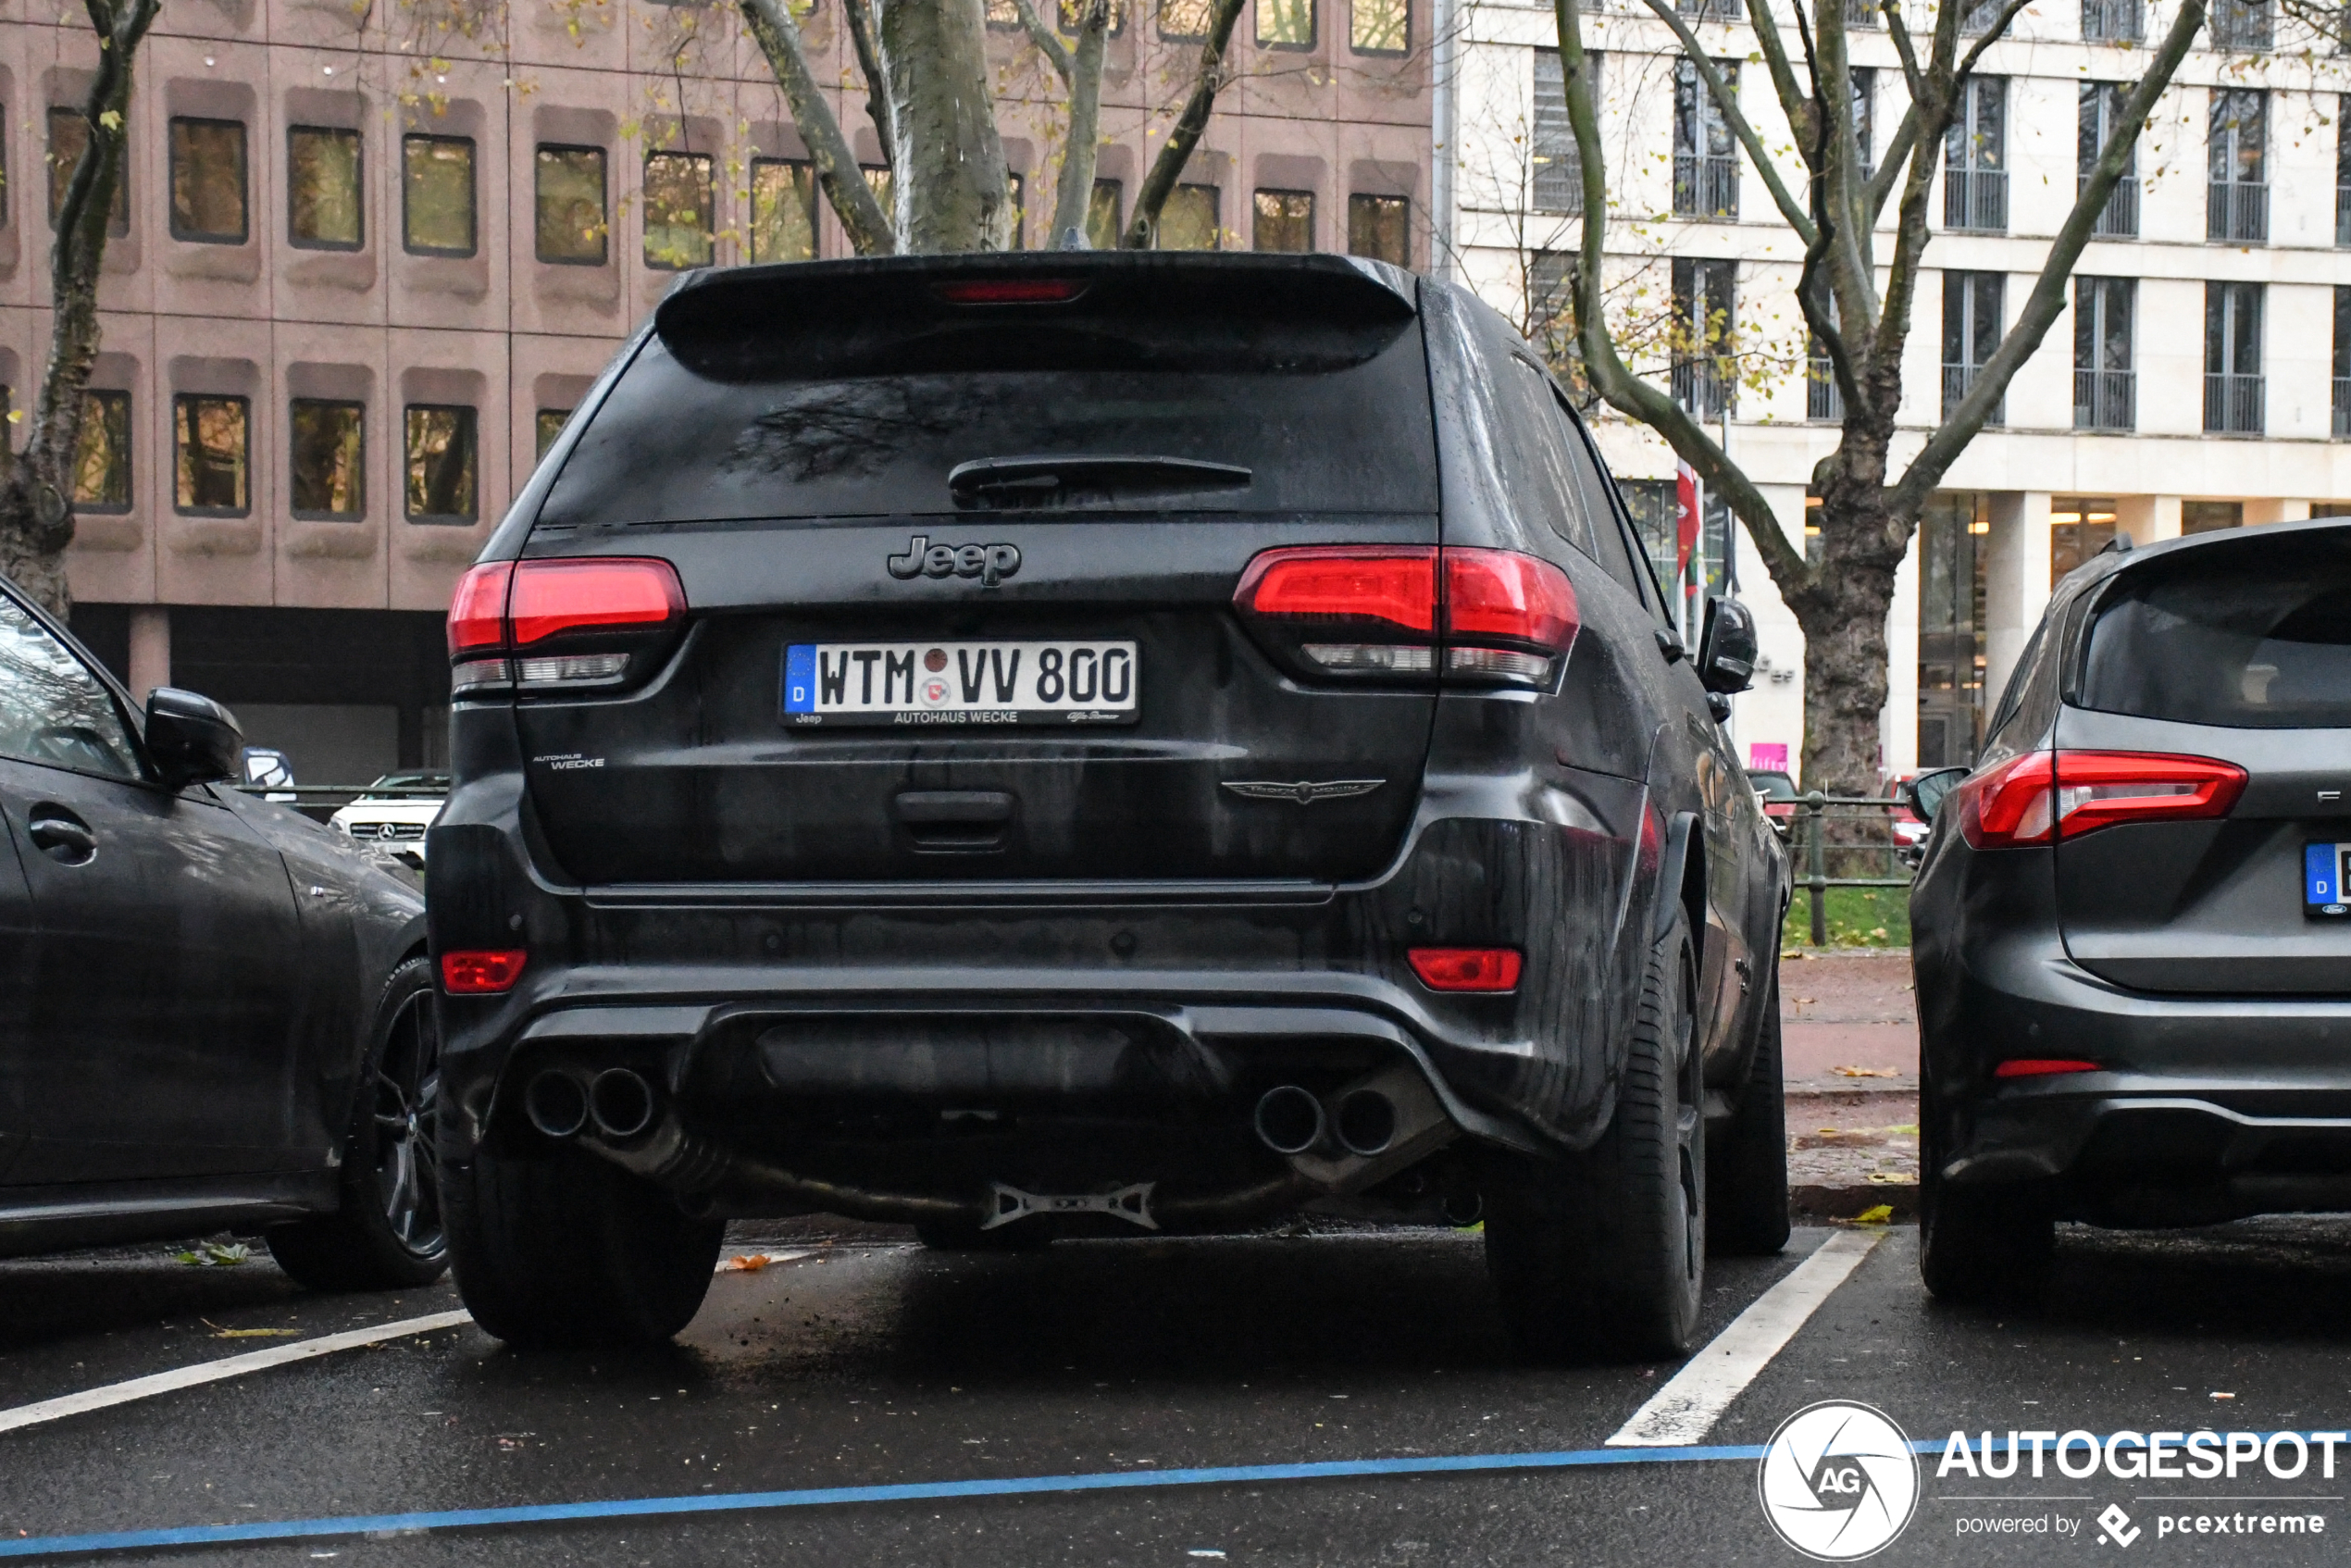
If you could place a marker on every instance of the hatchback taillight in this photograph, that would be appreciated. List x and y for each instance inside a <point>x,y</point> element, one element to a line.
<point>2044,796</point>
<point>551,624</point>
<point>1385,612</point>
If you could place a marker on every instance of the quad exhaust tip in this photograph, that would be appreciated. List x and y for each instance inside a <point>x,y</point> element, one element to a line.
<point>556,1105</point>
<point>1366,1123</point>
<point>621,1102</point>
<point>1290,1119</point>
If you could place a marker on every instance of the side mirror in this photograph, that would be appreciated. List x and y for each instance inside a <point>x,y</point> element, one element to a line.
<point>1924,794</point>
<point>194,740</point>
<point>1726,650</point>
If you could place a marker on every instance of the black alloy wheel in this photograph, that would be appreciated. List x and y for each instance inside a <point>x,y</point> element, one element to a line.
<point>407,1105</point>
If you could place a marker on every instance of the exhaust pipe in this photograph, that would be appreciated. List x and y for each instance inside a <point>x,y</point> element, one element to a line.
<point>1366,1122</point>
<point>1289,1120</point>
<point>622,1103</point>
<point>555,1103</point>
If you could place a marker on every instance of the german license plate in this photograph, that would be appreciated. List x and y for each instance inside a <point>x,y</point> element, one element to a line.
<point>2325,869</point>
<point>949,685</point>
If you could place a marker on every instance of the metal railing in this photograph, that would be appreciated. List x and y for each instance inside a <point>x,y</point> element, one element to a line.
<point>1956,379</point>
<point>1852,834</point>
<point>1701,385</point>
<point>2120,217</point>
<point>2343,214</point>
<point>1823,401</point>
<point>1863,13</point>
<point>1979,16</point>
<point>2112,21</point>
<point>1976,199</point>
<point>1706,187</point>
<point>2343,405</point>
<point>2232,403</point>
<point>1712,10</point>
<point>2235,209</point>
<point>2104,400</point>
<point>2240,24</point>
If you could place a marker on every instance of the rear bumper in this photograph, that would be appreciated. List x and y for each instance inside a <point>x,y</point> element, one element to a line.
<point>2203,1108</point>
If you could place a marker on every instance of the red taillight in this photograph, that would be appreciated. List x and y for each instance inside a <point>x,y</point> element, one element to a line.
<point>482,973</point>
<point>591,593</point>
<point>2042,1067</point>
<point>1385,610</point>
<point>478,613</point>
<point>2044,796</point>
<point>1013,290</point>
<point>1466,969</point>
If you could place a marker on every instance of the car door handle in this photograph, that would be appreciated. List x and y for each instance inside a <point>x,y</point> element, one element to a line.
<point>63,836</point>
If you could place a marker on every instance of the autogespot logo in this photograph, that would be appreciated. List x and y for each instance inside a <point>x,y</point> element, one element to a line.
<point>1838,1481</point>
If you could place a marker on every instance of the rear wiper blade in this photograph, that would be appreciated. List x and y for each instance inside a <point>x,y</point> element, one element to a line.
<point>1087,479</point>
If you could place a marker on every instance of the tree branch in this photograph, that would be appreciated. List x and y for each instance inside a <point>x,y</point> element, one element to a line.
<point>1793,102</point>
<point>2047,299</point>
<point>1727,101</point>
<point>1184,134</point>
<point>861,40</point>
<point>1056,55</point>
<point>837,172</point>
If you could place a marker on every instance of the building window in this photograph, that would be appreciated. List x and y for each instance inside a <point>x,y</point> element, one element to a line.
<point>1712,10</point>
<point>1975,172</point>
<point>2342,173</point>
<point>2101,111</point>
<point>2342,361</point>
<point>1072,16</point>
<point>69,134</point>
<point>1379,27</point>
<point>1283,220</point>
<point>1706,160</point>
<point>2210,516</point>
<point>1823,399</point>
<point>551,425</point>
<point>1704,329</point>
<point>878,181</point>
<point>442,472</point>
<point>783,210</point>
<point>2232,358</point>
<point>1017,195</point>
<point>1558,169</point>
<point>2237,199</point>
<point>677,211</point>
<point>2105,394</point>
<point>2112,21</point>
<point>2078,529</point>
<point>1952,528</point>
<point>2239,24</point>
<point>1380,228</point>
<point>209,180</point>
<point>209,450</point>
<point>322,188</point>
<point>437,195</point>
<point>1550,310</point>
<point>102,457</point>
<point>1285,24</point>
<point>1971,305</point>
<point>330,460</point>
<point>1183,21</point>
<point>1105,215</point>
<point>572,225</point>
<point>1189,221</point>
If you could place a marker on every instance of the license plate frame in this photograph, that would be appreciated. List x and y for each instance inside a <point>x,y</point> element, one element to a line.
<point>2325,868</point>
<point>967,685</point>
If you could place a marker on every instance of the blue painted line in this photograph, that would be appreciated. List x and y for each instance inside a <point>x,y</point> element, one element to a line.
<point>816,1497</point>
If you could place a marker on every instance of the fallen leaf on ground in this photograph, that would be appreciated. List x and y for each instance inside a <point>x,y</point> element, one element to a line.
<point>214,1255</point>
<point>1877,1214</point>
<point>258,1334</point>
<point>1867,1072</point>
<point>748,1263</point>
<point>1893,1179</point>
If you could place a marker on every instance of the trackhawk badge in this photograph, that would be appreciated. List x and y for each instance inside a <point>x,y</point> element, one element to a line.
<point>1305,792</point>
<point>989,563</point>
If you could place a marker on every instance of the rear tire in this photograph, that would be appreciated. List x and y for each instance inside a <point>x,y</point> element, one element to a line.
<point>1747,1177</point>
<point>1989,1245</point>
<point>1603,1253</point>
<point>567,1250</point>
<point>387,1233</point>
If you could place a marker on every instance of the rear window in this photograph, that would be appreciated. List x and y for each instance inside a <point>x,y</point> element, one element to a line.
<point>2255,633</point>
<point>870,400</point>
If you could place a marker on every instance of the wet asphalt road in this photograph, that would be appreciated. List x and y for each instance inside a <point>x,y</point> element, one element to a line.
<point>876,1362</point>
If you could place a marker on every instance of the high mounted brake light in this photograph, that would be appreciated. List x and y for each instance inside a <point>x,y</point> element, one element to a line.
<point>2041,797</point>
<point>504,607</point>
<point>1012,291</point>
<point>2042,1067</point>
<point>1385,611</point>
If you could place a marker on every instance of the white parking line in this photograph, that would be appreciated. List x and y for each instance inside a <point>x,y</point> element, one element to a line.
<point>1683,1410</point>
<point>225,1368</point>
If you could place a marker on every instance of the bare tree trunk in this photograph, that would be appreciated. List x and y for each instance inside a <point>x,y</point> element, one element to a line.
<point>947,175</point>
<point>838,175</point>
<point>1080,150</point>
<point>36,512</point>
<point>1142,231</point>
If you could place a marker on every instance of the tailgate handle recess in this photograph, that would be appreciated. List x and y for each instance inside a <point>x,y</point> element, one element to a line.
<point>956,819</point>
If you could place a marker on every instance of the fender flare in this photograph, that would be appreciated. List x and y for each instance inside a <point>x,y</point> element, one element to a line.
<point>1673,880</point>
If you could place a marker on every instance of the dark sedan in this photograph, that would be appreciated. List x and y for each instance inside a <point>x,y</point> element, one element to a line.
<point>2133,946</point>
<point>214,1012</point>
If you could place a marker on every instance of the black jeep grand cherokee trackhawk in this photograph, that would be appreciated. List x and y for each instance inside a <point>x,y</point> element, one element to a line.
<point>1093,745</point>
